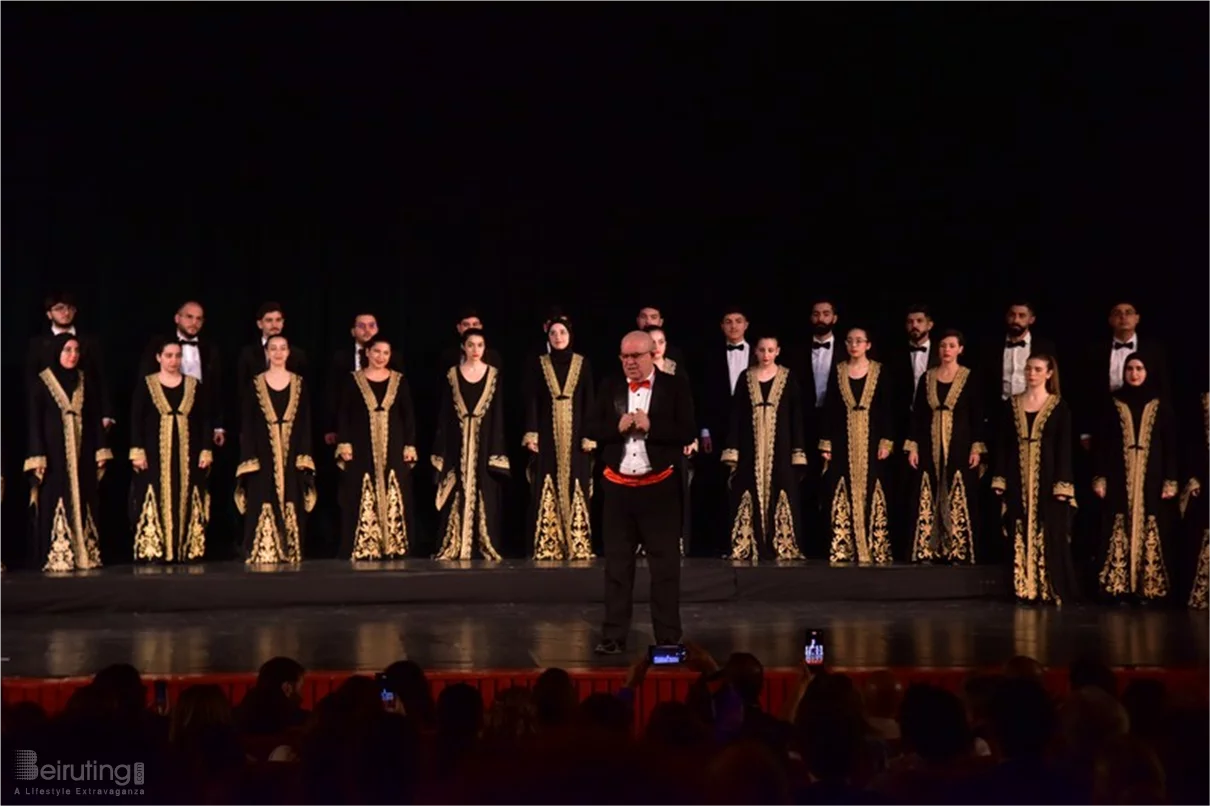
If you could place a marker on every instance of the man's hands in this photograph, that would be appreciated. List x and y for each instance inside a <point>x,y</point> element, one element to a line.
<point>634,421</point>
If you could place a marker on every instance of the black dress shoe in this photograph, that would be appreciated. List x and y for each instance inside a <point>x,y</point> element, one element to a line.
<point>609,647</point>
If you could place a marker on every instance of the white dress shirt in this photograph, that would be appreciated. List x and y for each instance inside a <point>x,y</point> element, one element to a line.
<point>1117,361</point>
<point>635,461</point>
<point>821,367</point>
<point>737,362</point>
<point>357,348</point>
<point>920,364</point>
<point>191,357</point>
<point>58,331</point>
<point>1012,370</point>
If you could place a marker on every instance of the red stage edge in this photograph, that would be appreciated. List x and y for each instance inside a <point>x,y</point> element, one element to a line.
<point>1186,686</point>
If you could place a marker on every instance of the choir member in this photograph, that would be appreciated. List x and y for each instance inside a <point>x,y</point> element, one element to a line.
<point>650,316</point>
<point>170,451</point>
<point>254,358</point>
<point>349,359</point>
<point>764,451</point>
<point>945,446</point>
<point>1004,376</point>
<point>276,473</point>
<point>468,319</point>
<point>1135,466</point>
<point>61,311</point>
<point>1194,504</point>
<point>642,421</point>
<point>1033,476</point>
<point>666,364</point>
<point>199,360</point>
<point>816,366</point>
<point>558,401</point>
<point>66,441</point>
<point>469,455</point>
<point>856,439</point>
<point>917,355</point>
<point>376,453</point>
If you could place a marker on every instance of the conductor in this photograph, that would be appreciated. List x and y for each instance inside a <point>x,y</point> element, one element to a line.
<point>642,422</point>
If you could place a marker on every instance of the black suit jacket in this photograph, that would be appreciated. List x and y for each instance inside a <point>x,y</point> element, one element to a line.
<point>251,362</point>
<point>904,384</point>
<point>716,392</point>
<point>340,366</point>
<point>991,369</point>
<point>1089,384</point>
<point>802,365</point>
<point>92,364</point>
<point>670,412</point>
<point>212,374</point>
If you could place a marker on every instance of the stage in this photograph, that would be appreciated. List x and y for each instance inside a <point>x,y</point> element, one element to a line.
<point>335,583</point>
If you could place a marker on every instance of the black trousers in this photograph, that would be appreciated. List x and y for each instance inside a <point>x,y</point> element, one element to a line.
<point>649,516</point>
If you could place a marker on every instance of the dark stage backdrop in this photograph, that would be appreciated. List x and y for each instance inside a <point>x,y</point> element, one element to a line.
<point>412,161</point>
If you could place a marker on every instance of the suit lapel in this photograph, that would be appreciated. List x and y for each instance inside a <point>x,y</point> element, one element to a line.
<point>621,397</point>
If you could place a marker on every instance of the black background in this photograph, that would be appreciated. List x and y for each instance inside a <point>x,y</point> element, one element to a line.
<point>411,160</point>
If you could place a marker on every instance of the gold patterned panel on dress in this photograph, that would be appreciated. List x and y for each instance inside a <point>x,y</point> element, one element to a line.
<point>764,431</point>
<point>71,414</point>
<point>562,423</point>
<point>1147,573</point>
<point>195,538</point>
<point>880,531</point>
<point>266,541</point>
<point>922,548</point>
<point>468,469</point>
<point>580,533</point>
<point>1201,579</point>
<point>1037,583</point>
<point>943,419</point>
<point>743,538</point>
<point>843,549</point>
<point>149,540</point>
<point>379,414</point>
<point>60,558</point>
<point>960,543</point>
<point>367,538</point>
<point>548,544</point>
<point>785,542</point>
<point>857,428</point>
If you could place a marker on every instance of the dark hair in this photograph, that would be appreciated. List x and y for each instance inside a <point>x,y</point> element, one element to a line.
<point>267,308</point>
<point>653,328</point>
<point>1052,384</point>
<point>163,343</point>
<point>357,316</point>
<point>1085,672</point>
<point>918,307</point>
<point>468,313</point>
<point>1022,303</point>
<point>730,309</point>
<point>825,300</point>
<point>281,336</point>
<point>55,298</point>
<point>868,335</point>
<point>953,333</point>
<point>764,336</point>
<point>934,723</point>
<point>276,671</point>
<point>378,337</point>
<point>472,331</point>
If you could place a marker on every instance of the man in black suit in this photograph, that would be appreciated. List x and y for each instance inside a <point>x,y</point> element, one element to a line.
<point>270,321</point>
<point>907,366</point>
<point>199,360</point>
<point>1003,367</point>
<point>642,422</point>
<point>61,311</point>
<point>451,356</point>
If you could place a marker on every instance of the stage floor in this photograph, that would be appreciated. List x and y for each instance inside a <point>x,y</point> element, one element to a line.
<point>335,583</point>
<point>483,636</point>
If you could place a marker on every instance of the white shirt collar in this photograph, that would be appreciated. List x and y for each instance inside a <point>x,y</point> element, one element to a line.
<point>56,330</point>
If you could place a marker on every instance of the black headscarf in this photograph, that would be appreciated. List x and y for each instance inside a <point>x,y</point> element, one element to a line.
<point>561,356</point>
<point>1136,396</point>
<point>67,378</point>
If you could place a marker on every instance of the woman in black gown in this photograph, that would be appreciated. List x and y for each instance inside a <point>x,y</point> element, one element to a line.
<point>766,456</point>
<point>856,441</point>
<point>1135,472</point>
<point>275,480</point>
<point>558,396</point>
<point>1032,473</point>
<point>946,447</point>
<point>469,455</point>
<point>170,451</point>
<point>1195,504</point>
<point>376,451</point>
<point>65,445</point>
<point>668,365</point>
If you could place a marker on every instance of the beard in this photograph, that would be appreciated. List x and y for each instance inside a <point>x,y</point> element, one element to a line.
<point>916,336</point>
<point>1015,330</point>
<point>820,329</point>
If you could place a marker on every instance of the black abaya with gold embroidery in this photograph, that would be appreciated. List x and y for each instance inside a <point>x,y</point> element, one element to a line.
<point>558,397</point>
<point>169,503</point>
<point>1136,461</point>
<point>765,452</point>
<point>947,425</point>
<point>66,443</point>
<point>1196,508</point>
<point>377,421</point>
<point>275,480</point>
<point>1032,469</point>
<point>856,425</point>
<point>470,460</point>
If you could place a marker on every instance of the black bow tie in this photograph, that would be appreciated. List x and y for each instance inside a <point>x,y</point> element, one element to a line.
<point>731,347</point>
<point>1129,345</point>
<point>912,349</point>
<point>187,341</point>
<point>1009,345</point>
<point>821,345</point>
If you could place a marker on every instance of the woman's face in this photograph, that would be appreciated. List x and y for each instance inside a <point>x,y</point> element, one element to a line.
<point>1135,373</point>
<point>857,343</point>
<point>473,348</point>
<point>661,343</point>
<point>69,357</point>
<point>1037,372</point>
<point>170,358</point>
<point>278,351</point>
<point>949,349</point>
<point>767,352</point>
<point>379,355</point>
<point>558,336</point>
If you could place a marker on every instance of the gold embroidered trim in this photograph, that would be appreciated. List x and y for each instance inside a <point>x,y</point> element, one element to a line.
<point>729,456</point>
<point>60,558</point>
<point>910,446</point>
<point>943,420</point>
<point>979,447</point>
<point>104,455</point>
<point>250,466</point>
<point>764,431</point>
<point>548,542</point>
<point>498,462</point>
<point>1036,584</point>
<point>1065,488</point>
<point>798,457</point>
<point>562,422</point>
<point>825,446</point>
<point>922,550</point>
<point>485,538</point>
<point>173,540</point>
<point>1170,488</point>
<point>437,462</point>
<point>579,535</point>
<point>34,463</point>
<point>448,481</point>
<point>843,550</point>
<point>1136,478</point>
<point>266,540</point>
<point>380,426</point>
<point>195,537</point>
<point>1201,580</point>
<point>959,544</point>
<point>304,462</point>
<point>880,531</point>
<point>529,437</point>
<point>468,497</point>
<point>999,483</point>
<point>588,445</point>
<point>886,445</point>
<point>857,429</point>
<point>743,537</point>
<point>149,539</point>
<point>785,542</point>
<point>71,414</point>
<point>241,499</point>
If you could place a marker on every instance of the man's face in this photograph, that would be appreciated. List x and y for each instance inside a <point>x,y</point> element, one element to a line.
<point>469,323</point>
<point>365,327</point>
<point>637,357</point>
<point>271,324</point>
<point>1018,319</point>
<point>823,318</point>
<point>1124,318</point>
<point>649,317</point>
<point>62,314</point>
<point>735,325</point>
<point>918,326</point>
<point>189,319</point>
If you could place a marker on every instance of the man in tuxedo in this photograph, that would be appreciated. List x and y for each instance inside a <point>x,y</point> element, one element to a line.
<point>722,367</point>
<point>642,422</point>
<point>651,316</point>
<point>1003,368</point>
<point>907,366</point>
<point>199,360</point>
<point>270,321</point>
<point>347,360</point>
<point>61,311</point>
<point>469,319</point>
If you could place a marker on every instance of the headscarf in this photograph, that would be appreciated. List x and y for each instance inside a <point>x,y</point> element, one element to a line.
<point>1136,396</point>
<point>67,378</point>
<point>561,356</point>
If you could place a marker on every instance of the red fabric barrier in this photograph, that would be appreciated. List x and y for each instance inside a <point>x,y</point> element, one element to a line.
<point>1188,686</point>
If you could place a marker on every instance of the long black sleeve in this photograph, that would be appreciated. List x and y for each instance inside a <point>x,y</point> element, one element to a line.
<point>407,412</point>
<point>36,455</point>
<point>882,419</point>
<point>678,431</point>
<point>603,425</point>
<point>529,391</point>
<point>978,426</point>
<point>922,416</point>
<point>1003,435</point>
<point>1170,463</point>
<point>1064,475</point>
<point>140,403</point>
<point>302,426</point>
<point>832,418</point>
<point>250,421</point>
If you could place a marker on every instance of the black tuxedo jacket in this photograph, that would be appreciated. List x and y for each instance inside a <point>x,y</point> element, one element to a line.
<point>990,368</point>
<point>92,364</point>
<point>212,374</point>
<point>251,362</point>
<point>1089,385</point>
<point>340,366</point>
<point>670,412</point>
<point>716,393</point>
<point>800,364</point>
<point>903,382</point>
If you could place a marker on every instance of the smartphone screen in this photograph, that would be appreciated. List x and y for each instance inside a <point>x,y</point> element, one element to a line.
<point>667,655</point>
<point>385,692</point>
<point>814,648</point>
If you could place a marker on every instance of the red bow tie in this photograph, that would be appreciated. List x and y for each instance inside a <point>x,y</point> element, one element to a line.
<point>637,385</point>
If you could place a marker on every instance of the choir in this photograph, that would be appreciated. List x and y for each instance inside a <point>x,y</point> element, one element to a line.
<point>916,455</point>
